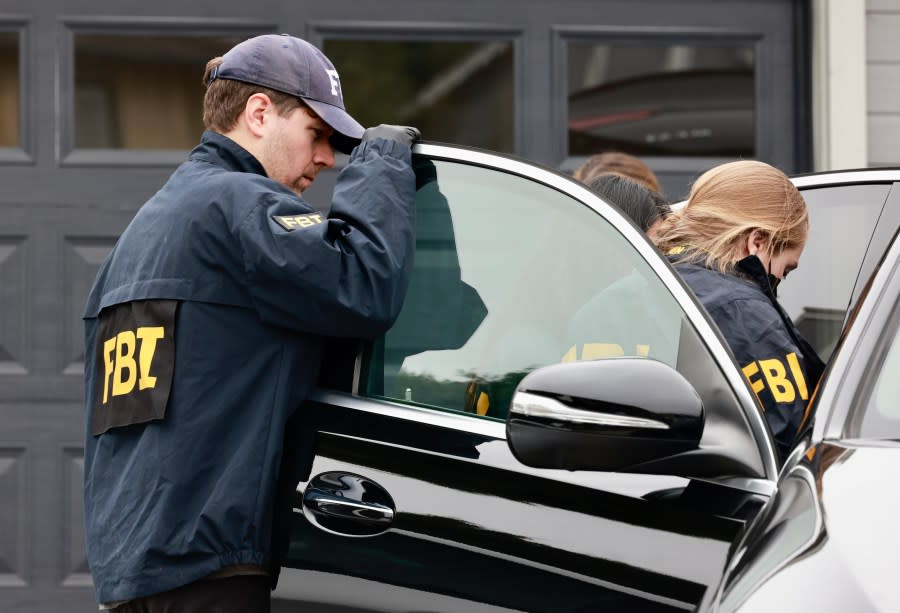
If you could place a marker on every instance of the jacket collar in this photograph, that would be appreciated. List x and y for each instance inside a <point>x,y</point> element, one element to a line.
<point>220,150</point>
<point>751,267</point>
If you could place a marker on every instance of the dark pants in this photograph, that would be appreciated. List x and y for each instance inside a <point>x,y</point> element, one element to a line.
<point>238,594</point>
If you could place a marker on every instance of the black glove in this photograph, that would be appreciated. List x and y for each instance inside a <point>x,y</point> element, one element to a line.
<point>402,134</point>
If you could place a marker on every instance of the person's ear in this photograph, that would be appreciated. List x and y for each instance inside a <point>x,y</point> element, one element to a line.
<point>255,113</point>
<point>756,241</point>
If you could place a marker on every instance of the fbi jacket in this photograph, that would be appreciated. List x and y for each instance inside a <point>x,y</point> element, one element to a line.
<point>781,366</point>
<point>204,333</point>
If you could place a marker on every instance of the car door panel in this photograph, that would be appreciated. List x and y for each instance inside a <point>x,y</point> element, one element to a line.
<point>512,272</point>
<point>482,527</point>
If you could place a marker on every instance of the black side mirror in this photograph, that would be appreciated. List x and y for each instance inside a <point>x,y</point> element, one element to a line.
<point>612,415</point>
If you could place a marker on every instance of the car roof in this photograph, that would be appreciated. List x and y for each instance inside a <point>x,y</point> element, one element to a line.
<point>829,178</point>
<point>847,177</point>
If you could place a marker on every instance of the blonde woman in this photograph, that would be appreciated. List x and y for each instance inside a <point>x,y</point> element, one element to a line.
<point>743,230</point>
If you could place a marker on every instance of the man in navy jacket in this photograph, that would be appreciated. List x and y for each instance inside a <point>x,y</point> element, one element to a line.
<point>204,328</point>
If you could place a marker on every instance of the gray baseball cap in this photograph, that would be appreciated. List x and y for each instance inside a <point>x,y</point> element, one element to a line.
<point>293,66</point>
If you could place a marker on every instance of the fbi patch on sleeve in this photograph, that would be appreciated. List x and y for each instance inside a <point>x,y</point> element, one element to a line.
<point>135,363</point>
<point>296,222</point>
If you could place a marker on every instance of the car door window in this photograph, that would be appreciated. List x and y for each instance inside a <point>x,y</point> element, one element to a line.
<point>511,275</point>
<point>817,295</point>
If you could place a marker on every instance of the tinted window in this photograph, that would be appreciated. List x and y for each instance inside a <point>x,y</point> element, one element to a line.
<point>817,294</point>
<point>141,92</point>
<point>511,275</point>
<point>9,89</point>
<point>661,99</point>
<point>455,92</point>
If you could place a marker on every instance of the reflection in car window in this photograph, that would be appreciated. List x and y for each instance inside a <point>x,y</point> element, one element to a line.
<point>881,419</point>
<point>817,294</point>
<point>511,275</point>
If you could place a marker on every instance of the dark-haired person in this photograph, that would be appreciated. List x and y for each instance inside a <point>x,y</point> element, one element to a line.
<point>740,234</point>
<point>646,207</point>
<point>204,329</point>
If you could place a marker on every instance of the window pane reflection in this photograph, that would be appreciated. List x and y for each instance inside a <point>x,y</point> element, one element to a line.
<point>456,92</point>
<point>685,100</point>
<point>9,89</point>
<point>141,92</point>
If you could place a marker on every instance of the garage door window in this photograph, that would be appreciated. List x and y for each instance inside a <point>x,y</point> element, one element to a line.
<point>661,99</point>
<point>458,92</point>
<point>141,92</point>
<point>9,89</point>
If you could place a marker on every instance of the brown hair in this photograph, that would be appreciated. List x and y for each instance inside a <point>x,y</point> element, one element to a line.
<point>225,100</point>
<point>616,161</point>
<point>726,204</point>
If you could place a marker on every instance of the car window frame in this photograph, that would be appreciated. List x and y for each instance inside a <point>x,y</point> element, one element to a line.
<point>707,331</point>
<point>879,241</point>
<point>859,351</point>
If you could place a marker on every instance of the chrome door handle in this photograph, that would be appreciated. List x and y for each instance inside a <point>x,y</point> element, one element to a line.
<point>335,506</point>
<point>346,504</point>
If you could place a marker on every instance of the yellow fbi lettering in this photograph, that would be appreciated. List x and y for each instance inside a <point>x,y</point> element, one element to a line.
<point>594,351</point>
<point>122,367</point>
<point>292,222</point>
<point>785,381</point>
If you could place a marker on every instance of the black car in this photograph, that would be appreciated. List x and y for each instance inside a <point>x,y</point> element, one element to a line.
<point>478,458</point>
